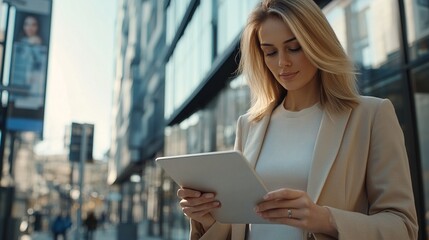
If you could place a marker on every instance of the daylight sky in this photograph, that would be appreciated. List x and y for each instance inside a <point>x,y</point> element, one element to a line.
<point>80,72</point>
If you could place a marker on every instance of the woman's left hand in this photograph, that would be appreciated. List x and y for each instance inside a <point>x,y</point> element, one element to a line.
<point>295,208</point>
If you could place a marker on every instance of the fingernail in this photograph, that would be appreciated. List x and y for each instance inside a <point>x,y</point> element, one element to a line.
<point>256,209</point>
<point>197,194</point>
<point>208,195</point>
<point>216,204</point>
<point>266,197</point>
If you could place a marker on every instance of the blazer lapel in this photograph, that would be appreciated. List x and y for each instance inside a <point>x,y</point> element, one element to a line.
<point>328,143</point>
<point>255,139</point>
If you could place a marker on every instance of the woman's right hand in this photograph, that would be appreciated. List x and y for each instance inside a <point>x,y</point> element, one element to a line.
<point>197,206</point>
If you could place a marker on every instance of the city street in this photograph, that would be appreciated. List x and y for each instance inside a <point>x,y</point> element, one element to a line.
<point>108,233</point>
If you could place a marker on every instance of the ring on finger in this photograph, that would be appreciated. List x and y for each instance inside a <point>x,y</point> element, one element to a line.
<point>289,213</point>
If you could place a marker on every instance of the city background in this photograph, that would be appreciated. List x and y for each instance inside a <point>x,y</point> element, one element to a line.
<point>132,80</point>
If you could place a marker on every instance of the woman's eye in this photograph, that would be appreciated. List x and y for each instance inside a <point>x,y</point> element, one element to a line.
<point>270,53</point>
<point>297,49</point>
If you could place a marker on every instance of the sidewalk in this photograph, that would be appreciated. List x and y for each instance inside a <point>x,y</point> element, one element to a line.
<point>107,233</point>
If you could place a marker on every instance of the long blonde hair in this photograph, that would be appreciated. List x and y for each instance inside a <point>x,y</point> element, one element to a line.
<point>307,22</point>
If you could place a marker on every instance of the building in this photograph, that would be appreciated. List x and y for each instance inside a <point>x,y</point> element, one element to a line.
<point>138,111</point>
<point>388,40</point>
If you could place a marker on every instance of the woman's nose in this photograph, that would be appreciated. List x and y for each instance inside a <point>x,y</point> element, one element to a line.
<point>284,60</point>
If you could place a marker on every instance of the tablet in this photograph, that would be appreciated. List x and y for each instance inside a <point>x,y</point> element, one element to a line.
<point>227,174</point>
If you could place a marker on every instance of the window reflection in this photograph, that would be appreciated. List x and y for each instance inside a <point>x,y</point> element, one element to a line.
<point>368,33</point>
<point>212,128</point>
<point>232,16</point>
<point>418,27</point>
<point>191,59</point>
<point>175,13</point>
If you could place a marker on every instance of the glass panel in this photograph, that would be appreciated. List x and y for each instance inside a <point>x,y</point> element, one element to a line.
<point>232,15</point>
<point>392,88</point>
<point>233,101</point>
<point>366,32</point>
<point>191,59</point>
<point>421,96</point>
<point>417,12</point>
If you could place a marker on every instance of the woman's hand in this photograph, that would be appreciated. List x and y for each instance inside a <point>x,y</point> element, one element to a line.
<point>197,206</point>
<point>295,208</point>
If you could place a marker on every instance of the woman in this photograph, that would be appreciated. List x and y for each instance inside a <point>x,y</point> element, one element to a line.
<point>31,31</point>
<point>334,161</point>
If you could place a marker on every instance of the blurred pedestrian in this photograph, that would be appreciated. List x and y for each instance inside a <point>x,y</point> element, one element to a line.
<point>90,224</point>
<point>103,220</point>
<point>37,221</point>
<point>60,225</point>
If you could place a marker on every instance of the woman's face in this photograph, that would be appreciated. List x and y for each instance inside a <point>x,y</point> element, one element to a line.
<point>284,56</point>
<point>30,26</point>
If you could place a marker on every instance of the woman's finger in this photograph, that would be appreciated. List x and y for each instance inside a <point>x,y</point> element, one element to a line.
<point>284,193</point>
<point>287,213</point>
<point>190,202</point>
<point>207,207</point>
<point>186,192</point>
<point>278,203</point>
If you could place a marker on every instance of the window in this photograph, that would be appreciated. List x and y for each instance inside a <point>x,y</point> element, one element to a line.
<point>418,27</point>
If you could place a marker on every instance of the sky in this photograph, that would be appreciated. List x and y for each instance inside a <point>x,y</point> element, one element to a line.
<point>80,72</point>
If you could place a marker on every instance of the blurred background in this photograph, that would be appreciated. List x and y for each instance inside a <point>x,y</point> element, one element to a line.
<point>92,91</point>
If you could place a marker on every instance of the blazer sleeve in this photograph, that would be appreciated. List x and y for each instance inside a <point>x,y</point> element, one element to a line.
<point>391,210</point>
<point>218,231</point>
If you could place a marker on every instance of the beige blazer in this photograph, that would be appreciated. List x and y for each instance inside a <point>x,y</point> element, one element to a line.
<point>360,171</point>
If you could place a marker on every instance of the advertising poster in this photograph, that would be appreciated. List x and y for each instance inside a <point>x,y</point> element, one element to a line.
<point>29,68</point>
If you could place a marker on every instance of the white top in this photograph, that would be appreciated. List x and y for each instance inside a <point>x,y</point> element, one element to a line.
<point>285,161</point>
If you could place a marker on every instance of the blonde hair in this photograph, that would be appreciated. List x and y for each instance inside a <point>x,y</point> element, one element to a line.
<point>336,72</point>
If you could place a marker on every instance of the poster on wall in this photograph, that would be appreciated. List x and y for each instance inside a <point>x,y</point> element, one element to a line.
<point>29,62</point>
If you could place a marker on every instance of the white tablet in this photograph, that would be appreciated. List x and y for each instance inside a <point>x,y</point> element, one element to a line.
<point>227,174</point>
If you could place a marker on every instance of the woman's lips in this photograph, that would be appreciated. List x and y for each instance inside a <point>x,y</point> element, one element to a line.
<point>288,75</point>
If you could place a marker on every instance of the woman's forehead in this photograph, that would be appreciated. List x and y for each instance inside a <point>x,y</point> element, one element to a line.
<point>274,30</point>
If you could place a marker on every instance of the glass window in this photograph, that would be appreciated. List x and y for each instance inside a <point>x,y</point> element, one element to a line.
<point>421,97</point>
<point>170,27</point>
<point>232,15</point>
<point>175,13</point>
<point>366,32</point>
<point>417,12</point>
<point>191,59</point>
<point>232,102</point>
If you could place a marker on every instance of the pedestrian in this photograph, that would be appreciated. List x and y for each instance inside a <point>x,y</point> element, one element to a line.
<point>334,161</point>
<point>60,226</point>
<point>103,220</point>
<point>90,225</point>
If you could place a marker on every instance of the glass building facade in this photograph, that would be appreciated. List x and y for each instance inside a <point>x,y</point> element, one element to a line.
<point>387,39</point>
